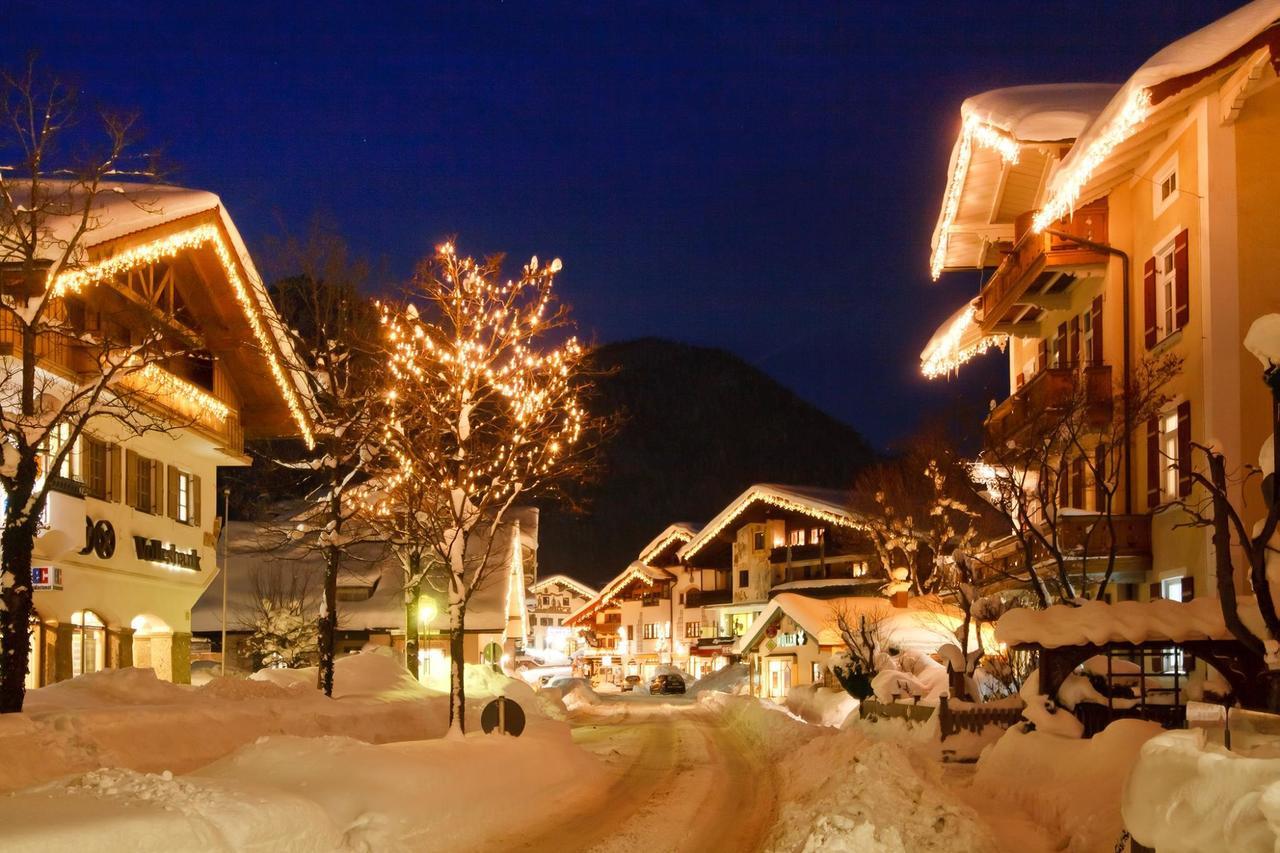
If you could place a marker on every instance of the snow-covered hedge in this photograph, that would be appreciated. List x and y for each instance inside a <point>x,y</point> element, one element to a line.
<point>823,706</point>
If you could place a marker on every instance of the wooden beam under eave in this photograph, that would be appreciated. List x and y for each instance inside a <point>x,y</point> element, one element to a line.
<point>1020,329</point>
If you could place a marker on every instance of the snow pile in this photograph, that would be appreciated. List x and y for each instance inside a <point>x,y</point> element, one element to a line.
<point>1071,787</point>
<point>823,706</point>
<point>1186,795</point>
<point>248,688</point>
<point>911,677</point>
<point>1040,113</point>
<point>1044,713</point>
<point>733,678</point>
<point>1097,622</point>
<point>366,674</point>
<point>762,725</point>
<point>850,792</point>
<point>573,693</point>
<point>128,686</point>
<point>308,794</point>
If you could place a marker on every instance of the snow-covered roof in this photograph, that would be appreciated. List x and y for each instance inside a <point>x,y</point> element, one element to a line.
<point>680,532</point>
<point>829,505</point>
<point>923,625</point>
<point>642,572</point>
<point>563,580</point>
<point>121,210</point>
<point>957,340</point>
<point>1129,108</point>
<point>998,164</point>
<point>824,583</point>
<point>1098,623</point>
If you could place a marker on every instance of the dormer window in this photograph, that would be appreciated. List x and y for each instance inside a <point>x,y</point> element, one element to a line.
<point>1165,186</point>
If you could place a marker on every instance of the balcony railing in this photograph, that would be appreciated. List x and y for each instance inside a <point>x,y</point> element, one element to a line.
<point>1036,254</point>
<point>1089,534</point>
<point>1047,395</point>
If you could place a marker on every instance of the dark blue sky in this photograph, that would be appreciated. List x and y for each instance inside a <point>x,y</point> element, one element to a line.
<point>758,176</point>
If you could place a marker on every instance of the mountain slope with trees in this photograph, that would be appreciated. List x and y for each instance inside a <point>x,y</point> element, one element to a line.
<point>698,425</point>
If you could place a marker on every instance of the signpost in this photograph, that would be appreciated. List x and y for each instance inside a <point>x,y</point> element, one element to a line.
<point>503,715</point>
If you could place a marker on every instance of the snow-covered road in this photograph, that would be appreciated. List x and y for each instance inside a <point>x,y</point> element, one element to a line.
<point>680,780</point>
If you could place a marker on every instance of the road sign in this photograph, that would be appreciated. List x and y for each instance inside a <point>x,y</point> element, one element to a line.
<point>503,715</point>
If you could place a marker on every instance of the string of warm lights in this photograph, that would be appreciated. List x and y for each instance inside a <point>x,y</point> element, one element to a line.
<point>711,531</point>
<point>678,534</point>
<point>1082,163</point>
<point>947,352</point>
<point>73,281</point>
<point>612,590</point>
<point>167,384</point>
<point>977,131</point>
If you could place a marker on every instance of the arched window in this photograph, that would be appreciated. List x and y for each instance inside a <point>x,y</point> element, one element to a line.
<point>88,642</point>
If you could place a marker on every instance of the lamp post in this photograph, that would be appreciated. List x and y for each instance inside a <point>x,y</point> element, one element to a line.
<point>226,554</point>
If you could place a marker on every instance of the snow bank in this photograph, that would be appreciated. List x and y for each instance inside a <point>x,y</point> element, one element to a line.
<point>1070,787</point>
<point>109,687</point>
<point>850,792</point>
<point>762,725</point>
<point>310,794</point>
<point>1098,623</point>
<point>370,674</point>
<point>1185,795</point>
<point>823,706</point>
<point>733,678</point>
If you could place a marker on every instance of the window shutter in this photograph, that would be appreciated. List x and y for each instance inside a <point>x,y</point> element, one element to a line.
<point>1181,279</point>
<point>195,506</point>
<point>1155,591</point>
<point>1042,355</point>
<point>1096,355</point>
<point>1064,483</point>
<point>1061,354</point>
<point>157,487</point>
<point>1153,463</point>
<point>1184,448</point>
<point>114,473</point>
<point>1074,341</point>
<point>1188,588</point>
<point>1149,301</point>
<point>131,478</point>
<point>1077,482</point>
<point>172,493</point>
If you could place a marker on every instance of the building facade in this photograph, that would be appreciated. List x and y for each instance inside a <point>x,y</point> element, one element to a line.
<point>131,519</point>
<point>1122,226</point>
<point>551,601</point>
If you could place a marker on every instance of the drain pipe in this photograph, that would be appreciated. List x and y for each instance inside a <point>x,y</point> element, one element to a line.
<point>1127,366</point>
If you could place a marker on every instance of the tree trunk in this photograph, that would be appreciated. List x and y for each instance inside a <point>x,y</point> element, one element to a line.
<point>327,636</point>
<point>412,630</point>
<point>457,670</point>
<point>17,541</point>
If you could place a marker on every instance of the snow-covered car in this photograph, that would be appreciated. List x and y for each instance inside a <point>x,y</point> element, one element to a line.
<point>630,682</point>
<point>666,684</point>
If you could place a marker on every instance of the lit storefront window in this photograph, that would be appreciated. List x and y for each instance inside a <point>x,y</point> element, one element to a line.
<point>88,642</point>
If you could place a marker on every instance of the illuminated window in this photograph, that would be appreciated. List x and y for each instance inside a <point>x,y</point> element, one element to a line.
<point>757,540</point>
<point>184,497</point>
<point>1169,455</point>
<point>58,437</point>
<point>1166,301</point>
<point>88,646</point>
<point>795,537</point>
<point>1165,187</point>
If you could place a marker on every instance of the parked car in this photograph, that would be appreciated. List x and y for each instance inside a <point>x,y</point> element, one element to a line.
<point>666,684</point>
<point>630,682</point>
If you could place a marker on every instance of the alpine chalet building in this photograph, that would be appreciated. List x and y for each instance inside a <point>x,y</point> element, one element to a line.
<point>132,520</point>
<point>1119,224</point>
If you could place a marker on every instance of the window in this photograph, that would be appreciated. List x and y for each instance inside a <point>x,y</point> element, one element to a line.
<point>1166,297</point>
<point>1171,589</point>
<point>815,536</point>
<point>1086,336</point>
<point>795,537</point>
<point>744,578</point>
<point>184,497</point>
<point>1165,187</point>
<point>859,568</point>
<point>57,439</point>
<point>816,673</point>
<point>145,483</point>
<point>88,647</point>
<point>692,630</point>
<point>1169,456</point>
<point>757,540</point>
<point>98,467</point>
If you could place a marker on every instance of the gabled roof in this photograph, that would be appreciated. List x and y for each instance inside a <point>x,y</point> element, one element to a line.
<point>827,505</point>
<point>637,571</point>
<point>672,535</point>
<point>135,225</point>
<point>564,580</point>
<point>923,625</point>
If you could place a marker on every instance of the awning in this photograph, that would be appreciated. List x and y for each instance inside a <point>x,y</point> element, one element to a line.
<point>955,342</point>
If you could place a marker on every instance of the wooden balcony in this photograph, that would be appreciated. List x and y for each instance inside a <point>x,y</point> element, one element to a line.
<point>1089,534</point>
<point>1036,274</point>
<point>1049,393</point>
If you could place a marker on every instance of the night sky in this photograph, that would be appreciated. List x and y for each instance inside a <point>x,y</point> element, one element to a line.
<point>747,175</point>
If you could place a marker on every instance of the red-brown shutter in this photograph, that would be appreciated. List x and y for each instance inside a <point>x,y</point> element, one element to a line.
<point>1181,279</point>
<point>1153,463</point>
<point>1062,345</point>
<point>1154,589</point>
<point>1042,355</point>
<point>1149,301</point>
<point>1184,448</point>
<point>1074,346</point>
<point>1096,355</point>
<point>1188,588</point>
<point>1064,484</point>
<point>1077,482</point>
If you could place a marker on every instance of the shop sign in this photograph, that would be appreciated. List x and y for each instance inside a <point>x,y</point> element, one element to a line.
<point>99,538</point>
<point>46,577</point>
<point>794,639</point>
<point>153,551</point>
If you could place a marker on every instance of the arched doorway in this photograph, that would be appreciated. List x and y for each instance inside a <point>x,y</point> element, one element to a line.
<point>88,642</point>
<point>153,645</point>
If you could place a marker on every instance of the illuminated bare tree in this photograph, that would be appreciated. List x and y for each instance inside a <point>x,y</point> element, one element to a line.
<point>484,411</point>
<point>75,351</point>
